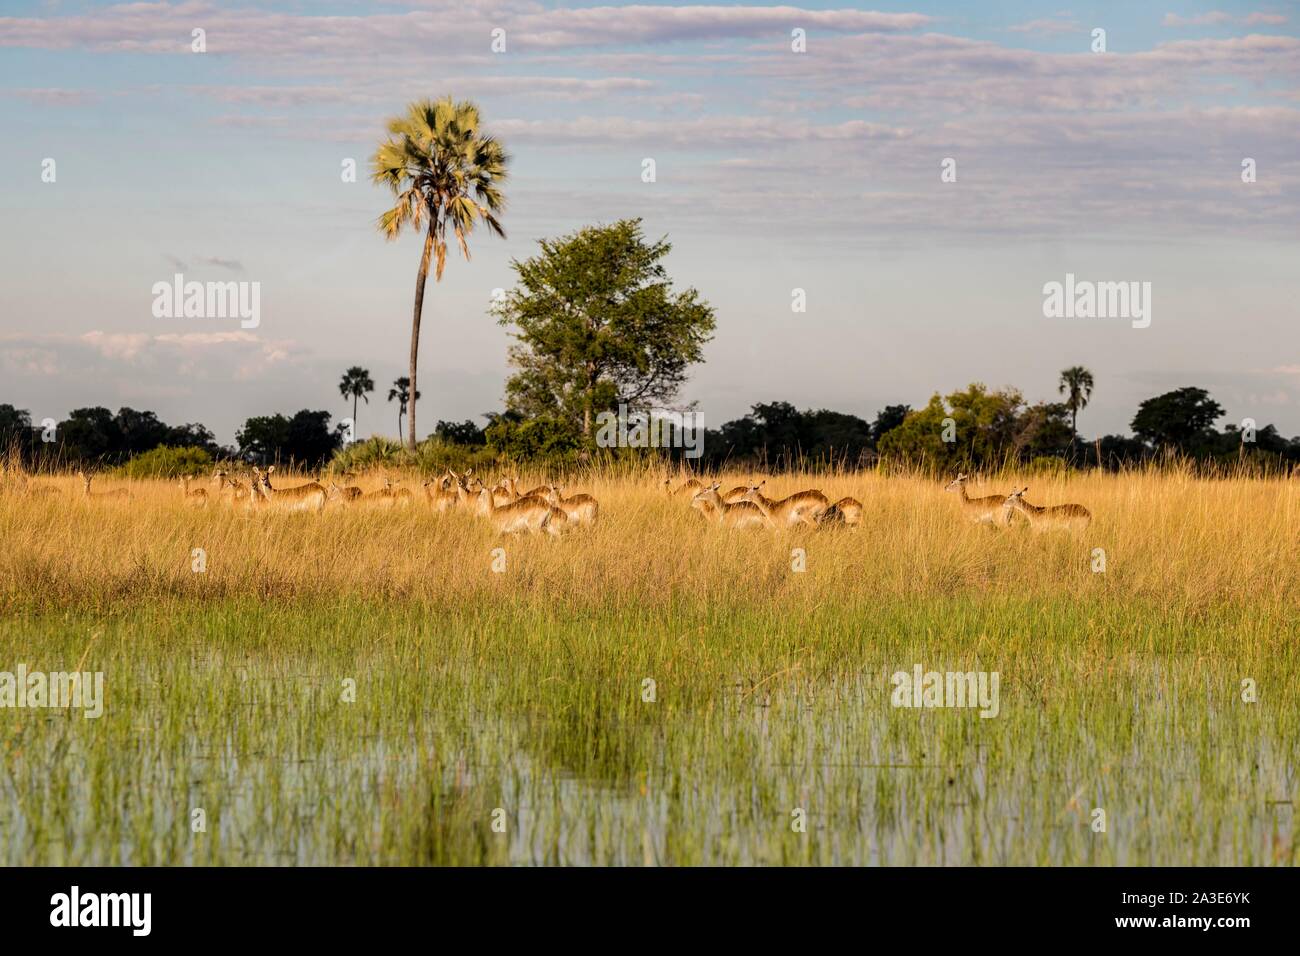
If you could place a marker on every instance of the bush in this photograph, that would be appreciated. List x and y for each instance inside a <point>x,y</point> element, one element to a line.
<point>167,462</point>
<point>533,438</point>
<point>431,457</point>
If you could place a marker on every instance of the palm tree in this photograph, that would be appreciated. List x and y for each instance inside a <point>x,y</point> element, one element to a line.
<point>1076,384</point>
<point>401,393</point>
<point>434,158</point>
<point>356,382</point>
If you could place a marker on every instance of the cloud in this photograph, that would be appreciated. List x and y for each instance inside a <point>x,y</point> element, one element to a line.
<point>52,96</point>
<point>165,28</point>
<point>1216,18</point>
<point>168,359</point>
<point>1048,26</point>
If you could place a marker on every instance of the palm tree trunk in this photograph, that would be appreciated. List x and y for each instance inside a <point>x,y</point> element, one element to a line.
<point>354,414</point>
<point>415,333</point>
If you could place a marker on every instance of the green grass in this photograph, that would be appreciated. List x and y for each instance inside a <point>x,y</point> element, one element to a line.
<point>233,705</point>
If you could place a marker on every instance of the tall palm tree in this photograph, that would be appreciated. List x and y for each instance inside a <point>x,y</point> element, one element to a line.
<point>435,157</point>
<point>356,382</point>
<point>1076,385</point>
<point>401,393</point>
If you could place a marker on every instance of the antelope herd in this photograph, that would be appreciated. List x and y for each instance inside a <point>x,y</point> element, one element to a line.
<point>546,507</point>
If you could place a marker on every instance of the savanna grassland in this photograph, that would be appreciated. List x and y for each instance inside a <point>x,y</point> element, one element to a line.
<point>524,690</point>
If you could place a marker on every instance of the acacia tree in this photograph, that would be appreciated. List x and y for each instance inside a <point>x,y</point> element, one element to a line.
<point>443,172</point>
<point>597,324</point>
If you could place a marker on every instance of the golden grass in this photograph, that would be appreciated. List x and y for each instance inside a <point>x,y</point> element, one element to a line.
<point>1183,542</point>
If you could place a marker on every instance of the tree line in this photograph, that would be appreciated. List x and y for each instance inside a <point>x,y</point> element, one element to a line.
<point>597,326</point>
<point>972,428</point>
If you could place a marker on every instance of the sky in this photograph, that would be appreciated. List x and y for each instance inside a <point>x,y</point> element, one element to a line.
<point>779,165</point>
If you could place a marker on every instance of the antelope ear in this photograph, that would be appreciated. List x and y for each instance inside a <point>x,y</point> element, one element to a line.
<point>271,469</point>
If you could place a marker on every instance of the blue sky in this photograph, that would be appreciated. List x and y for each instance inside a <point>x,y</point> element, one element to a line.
<point>775,170</point>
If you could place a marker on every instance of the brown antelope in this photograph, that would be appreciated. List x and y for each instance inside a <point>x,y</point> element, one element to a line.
<point>117,494</point>
<point>439,493</point>
<point>466,488</point>
<point>235,491</point>
<point>401,496</point>
<point>802,507</point>
<point>507,490</point>
<point>736,494</point>
<point>687,489</point>
<point>1049,517</point>
<point>742,514</point>
<point>348,494</point>
<point>988,509</point>
<point>540,491</point>
<point>198,498</point>
<point>580,508</point>
<point>530,514</point>
<point>382,497</point>
<point>846,511</point>
<point>309,497</point>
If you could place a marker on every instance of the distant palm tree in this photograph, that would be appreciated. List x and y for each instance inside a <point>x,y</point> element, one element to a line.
<point>1076,385</point>
<point>401,393</point>
<point>434,158</point>
<point>356,382</point>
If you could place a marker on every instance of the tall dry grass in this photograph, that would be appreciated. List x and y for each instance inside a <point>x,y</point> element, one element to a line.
<point>1169,538</point>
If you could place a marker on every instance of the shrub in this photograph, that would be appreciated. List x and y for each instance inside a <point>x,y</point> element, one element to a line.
<point>167,462</point>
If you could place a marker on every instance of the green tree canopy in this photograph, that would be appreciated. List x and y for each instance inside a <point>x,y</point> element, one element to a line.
<point>984,428</point>
<point>1182,419</point>
<point>598,324</point>
<point>305,438</point>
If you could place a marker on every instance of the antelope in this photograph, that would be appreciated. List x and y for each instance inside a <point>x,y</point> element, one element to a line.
<point>385,497</point>
<point>439,493</point>
<point>527,514</point>
<point>348,494</point>
<point>117,494</point>
<point>846,511</point>
<point>980,510</point>
<point>580,509</point>
<point>691,486</point>
<point>1046,518</point>
<point>742,514</point>
<point>802,507</point>
<point>467,488</point>
<point>540,491</point>
<point>736,494</point>
<point>309,497</point>
<point>401,496</point>
<point>198,497</point>
<point>235,491</point>
<point>507,490</point>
